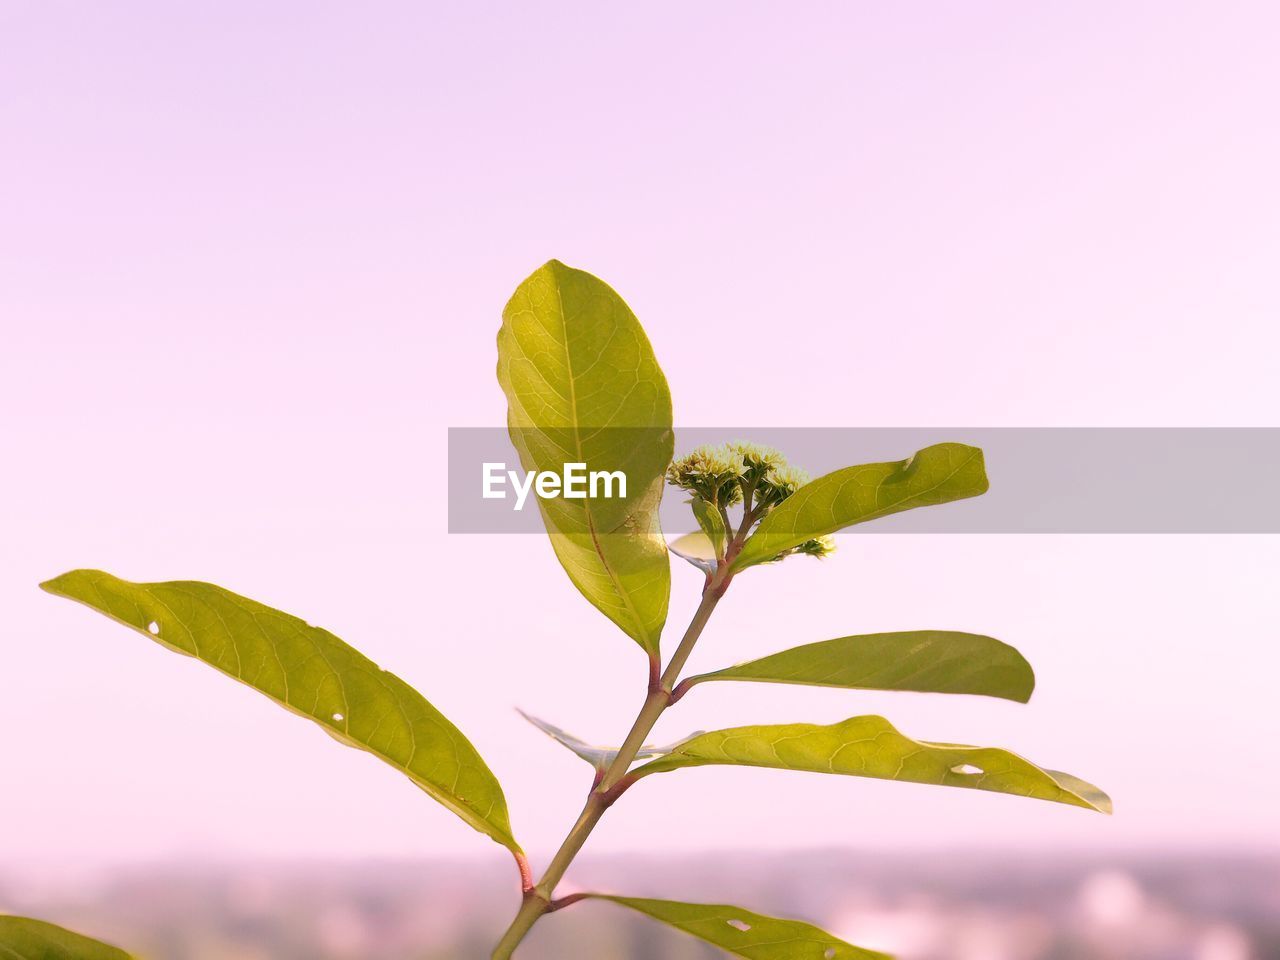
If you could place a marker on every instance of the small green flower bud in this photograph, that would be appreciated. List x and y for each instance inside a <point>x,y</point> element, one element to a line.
<point>818,547</point>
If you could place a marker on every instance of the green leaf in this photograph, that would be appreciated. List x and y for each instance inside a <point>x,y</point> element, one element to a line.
<point>937,474</point>
<point>747,934</point>
<point>583,386</point>
<point>311,672</point>
<point>22,938</point>
<point>928,661</point>
<point>871,747</point>
<point>711,523</point>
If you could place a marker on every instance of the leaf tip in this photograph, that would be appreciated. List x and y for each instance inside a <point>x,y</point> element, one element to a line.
<point>58,585</point>
<point>979,460</point>
<point>1028,677</point>
<point>555,269</point>
<point>1088,795</point>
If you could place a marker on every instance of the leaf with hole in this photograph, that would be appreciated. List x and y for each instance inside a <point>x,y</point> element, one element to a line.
<point>583,386</point>
<point>744,933</point>
<point>926,661</point>
<point>22,938</point>
<point>871,747</point>
<point>938,474</point>
<point>312,673</point>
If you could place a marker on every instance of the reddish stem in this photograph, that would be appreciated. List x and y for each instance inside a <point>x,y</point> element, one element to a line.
<point>681,689</point>
<point>526,872</point>
<point>566,901</point>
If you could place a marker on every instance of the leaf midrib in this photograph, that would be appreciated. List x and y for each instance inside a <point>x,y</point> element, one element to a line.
<point>632,613</point>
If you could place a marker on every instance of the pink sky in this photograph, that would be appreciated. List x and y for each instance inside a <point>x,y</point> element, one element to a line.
<point>251,267</point>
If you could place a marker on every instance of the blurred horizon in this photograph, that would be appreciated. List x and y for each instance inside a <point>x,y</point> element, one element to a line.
<point>1265,847</point>
<point>941,906</point>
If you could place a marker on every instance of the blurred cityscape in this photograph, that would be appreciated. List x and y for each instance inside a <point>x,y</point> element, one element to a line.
<point>958,906</point>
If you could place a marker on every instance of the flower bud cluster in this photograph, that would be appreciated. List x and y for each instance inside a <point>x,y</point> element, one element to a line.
<point>726,474</point>
<point>758,477</point>
<point>713,472</point>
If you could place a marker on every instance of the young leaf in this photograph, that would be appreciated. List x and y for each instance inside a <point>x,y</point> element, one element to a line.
<point>937,474</point>
<point>22,938</point>
<point>711,523</point>
<point>583,386</point>
<point>598,757</point>
<point>871,747</point>
<point>747,934</point>
<point>311,672</point>
<point>697,548</point>
<point>928,661</point>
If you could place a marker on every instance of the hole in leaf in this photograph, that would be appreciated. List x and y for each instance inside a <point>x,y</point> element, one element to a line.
<point>339,717</point>
<point>968,769</point>
<point>829,953</point>
<point>153,628</point>
<point>739,925</point>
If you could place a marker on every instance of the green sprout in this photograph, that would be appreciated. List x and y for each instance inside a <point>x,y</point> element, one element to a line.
<point>576,367</point>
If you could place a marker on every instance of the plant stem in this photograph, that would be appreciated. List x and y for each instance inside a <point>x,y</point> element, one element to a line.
<point>538,901</point>
<point>531,910</point>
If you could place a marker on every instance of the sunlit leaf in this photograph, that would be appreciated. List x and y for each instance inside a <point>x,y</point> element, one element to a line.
<point>929,661</point>
<point>937,474</point>
<point>870,747</point>
<point>744,933</point>
<point>583,386</point>
<point>22,938</point>
<point>314,674</point>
